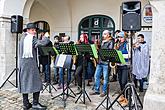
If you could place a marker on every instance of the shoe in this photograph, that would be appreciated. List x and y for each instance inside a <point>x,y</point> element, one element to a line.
<point>78,90</point>
<point>27,107</point>
<point>89,80</point>
<point>113,80</point>
<point>88,84</point>
<point>124,102</point>
<point>102,94</point>
<point>94,93</point>
<point>140,89</point>
<point>55,82</point>
<point>121,98</point>
<point>59,86</point>
<point>39,107</point>
<point>65,86</point>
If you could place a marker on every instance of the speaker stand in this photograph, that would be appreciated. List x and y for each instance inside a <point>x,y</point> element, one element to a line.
<point>15,69</point>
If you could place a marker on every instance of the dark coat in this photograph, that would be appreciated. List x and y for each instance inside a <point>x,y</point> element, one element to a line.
<point>29,80</point>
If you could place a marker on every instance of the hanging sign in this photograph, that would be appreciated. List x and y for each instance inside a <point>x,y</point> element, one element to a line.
<point>147,13</point>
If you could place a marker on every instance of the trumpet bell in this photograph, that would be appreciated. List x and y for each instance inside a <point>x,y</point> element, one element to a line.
<point>112,64</point>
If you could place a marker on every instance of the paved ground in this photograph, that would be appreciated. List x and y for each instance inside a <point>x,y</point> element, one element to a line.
<point>12,100</point>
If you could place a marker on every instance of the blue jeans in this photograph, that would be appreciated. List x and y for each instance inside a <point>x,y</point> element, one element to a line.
<point>101,68</point>
<point>141,81</point>
<point>55,73</point>
<point>47,72</point>
<point>61,73</point>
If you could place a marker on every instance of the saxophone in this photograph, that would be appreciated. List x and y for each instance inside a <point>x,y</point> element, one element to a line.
<point>113,67</point>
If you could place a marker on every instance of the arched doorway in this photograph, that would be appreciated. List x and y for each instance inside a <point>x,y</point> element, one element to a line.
<point>94,25</point>
<point>42,25</point>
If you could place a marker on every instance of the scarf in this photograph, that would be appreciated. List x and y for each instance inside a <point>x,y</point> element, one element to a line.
<point>27,46</point>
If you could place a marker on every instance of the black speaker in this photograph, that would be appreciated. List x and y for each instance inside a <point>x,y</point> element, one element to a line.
<point>131,16</point>
<point>16,24</point>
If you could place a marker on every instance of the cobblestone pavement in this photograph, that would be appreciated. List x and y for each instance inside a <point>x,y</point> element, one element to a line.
<point>12,100</point>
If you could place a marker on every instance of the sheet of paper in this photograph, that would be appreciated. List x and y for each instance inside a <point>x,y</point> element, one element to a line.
<point>56,51</point>
<point>61,60</point>
<point>121,57</point>
<point>94,50</point>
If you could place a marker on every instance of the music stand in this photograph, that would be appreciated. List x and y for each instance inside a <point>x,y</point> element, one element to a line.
<point>130,87</point>
<point>109,56</point>
<point>48,51</point>
<point>67,50</point>
<point>84,50</point>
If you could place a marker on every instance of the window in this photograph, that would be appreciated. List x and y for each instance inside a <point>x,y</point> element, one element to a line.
<point>94,26</point>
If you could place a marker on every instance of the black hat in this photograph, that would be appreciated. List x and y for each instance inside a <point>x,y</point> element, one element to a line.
<point>30,26</point>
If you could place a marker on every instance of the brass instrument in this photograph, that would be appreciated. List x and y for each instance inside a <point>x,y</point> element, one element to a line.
<point>113,67</point>
<point>94,60</point>
<point>74,59</point>
<point>112,64</point>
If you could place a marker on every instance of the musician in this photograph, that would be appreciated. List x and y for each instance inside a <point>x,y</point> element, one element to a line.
<point>122,69</point>
<point>29,80</point>
<point>65,39</point>
<point>117,39</point>
<point>79,63</point>
<point>45,60</point>
<point>102,66</point>
<point>56,45</point>
<point>140,61</point>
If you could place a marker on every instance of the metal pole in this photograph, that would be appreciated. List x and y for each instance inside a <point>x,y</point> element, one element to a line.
<point>16,60</point>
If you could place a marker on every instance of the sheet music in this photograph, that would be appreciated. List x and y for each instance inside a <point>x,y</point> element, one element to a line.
<point>61,60</point>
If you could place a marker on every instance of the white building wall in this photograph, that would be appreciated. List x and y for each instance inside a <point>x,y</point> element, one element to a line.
<point>65,15</point>
<point>62,15</point>
<point>7,51</point>
<point>7,39</point>
<point>56,14</point>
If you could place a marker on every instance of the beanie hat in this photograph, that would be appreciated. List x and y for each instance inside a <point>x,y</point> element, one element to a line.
<point>121,34</point>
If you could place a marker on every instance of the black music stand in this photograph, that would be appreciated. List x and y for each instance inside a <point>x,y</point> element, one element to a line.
<point>109,56</point>
<point>48,51</point>
<point>84,50</point>
<point>68,50</point>
<point>130,87</point>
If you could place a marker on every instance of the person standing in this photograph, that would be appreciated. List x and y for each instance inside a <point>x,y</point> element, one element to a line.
<point>65,39</point>
<point>140,61</point>
<point>114,69</point>
<point>102,66</point>
<point>29,80</point>
<point>122,69</point>
<point>56,45</point>
<point>79,63</point>
<point>45,60</point>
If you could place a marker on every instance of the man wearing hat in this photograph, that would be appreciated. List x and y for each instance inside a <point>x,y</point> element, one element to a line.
<point>29,78</point>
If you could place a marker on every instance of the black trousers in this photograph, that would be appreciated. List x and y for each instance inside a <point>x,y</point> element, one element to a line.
<point>78,74</point>
<point>35,98</point>
<point>122,76</point>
